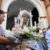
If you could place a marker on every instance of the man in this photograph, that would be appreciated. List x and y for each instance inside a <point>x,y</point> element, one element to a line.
<point>47,36</point>
<point>3,40</point>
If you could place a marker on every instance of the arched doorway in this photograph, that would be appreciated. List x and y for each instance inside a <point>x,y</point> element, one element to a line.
<point>29,5</point>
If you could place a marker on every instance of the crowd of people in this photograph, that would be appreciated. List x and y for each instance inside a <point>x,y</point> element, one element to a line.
<point>6,37</point>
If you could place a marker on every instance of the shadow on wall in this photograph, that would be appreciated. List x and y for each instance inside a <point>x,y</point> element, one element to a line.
<point>35,16</point>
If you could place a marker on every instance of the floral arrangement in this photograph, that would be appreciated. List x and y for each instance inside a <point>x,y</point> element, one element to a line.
<point>27,33</point>
<point>30,34</point>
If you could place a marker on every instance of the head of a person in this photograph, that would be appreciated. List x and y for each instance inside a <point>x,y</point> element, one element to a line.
<point>1,16</point>
<point>25,18</point>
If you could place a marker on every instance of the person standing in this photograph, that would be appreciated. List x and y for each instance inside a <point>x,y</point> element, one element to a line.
<point>47,37</point>
<point>3,40</point>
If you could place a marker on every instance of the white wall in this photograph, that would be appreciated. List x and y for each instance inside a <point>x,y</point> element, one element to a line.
<point>4,7</point>
<point>5,4</point>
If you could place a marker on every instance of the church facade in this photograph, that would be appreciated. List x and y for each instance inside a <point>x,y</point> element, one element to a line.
<point>42,6</point>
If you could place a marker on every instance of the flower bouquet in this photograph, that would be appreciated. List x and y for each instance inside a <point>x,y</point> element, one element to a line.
<point>30,34</point>
<point>26,33</point>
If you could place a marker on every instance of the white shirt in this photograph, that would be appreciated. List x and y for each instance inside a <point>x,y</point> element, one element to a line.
<point>8,34</point>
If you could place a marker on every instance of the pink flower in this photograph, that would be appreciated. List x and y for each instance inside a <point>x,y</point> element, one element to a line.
<point>16,30</point>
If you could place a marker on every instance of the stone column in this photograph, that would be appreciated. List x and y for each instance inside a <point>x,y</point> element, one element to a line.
<point>0,3</point>
<point>47,5</point>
